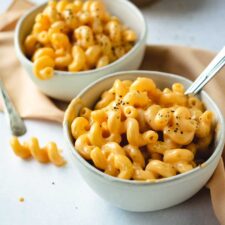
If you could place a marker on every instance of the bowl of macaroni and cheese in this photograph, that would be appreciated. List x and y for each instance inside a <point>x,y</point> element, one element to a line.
<point>140,143</point>
<point>66,45</point>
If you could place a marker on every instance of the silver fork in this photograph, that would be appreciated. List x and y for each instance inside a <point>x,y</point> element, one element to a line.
<point>17,125</point>
<point>209,72</point>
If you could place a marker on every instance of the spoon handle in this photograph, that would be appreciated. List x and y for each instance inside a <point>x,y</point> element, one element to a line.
<point>208,73</point>
<point>17,125</point>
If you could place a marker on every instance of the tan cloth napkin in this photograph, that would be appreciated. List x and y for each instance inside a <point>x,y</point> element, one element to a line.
<point>33,104</point>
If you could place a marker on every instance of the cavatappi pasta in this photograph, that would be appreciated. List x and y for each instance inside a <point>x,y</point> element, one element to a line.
<point>76,36</point>
<point>31,148</point>
<point>136,131</point>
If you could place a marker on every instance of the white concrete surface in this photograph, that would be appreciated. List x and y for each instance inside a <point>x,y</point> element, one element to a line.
<point>195,23</point>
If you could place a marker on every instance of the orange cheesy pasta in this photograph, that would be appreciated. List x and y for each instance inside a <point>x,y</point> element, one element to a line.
<point>76,36</point>
<point>137,131</point>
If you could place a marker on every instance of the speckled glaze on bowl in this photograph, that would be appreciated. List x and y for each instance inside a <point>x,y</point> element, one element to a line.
<point>139,195</point>
<point>65,85</point>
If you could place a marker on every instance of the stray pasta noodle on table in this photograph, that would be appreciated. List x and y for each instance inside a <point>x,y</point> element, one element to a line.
<point>31,148</point>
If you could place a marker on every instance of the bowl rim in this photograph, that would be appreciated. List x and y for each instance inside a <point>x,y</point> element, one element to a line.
<point>218,149</point>
<point>141,41</point>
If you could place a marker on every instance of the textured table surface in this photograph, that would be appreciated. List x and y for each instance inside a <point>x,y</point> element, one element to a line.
<point>60,196</point>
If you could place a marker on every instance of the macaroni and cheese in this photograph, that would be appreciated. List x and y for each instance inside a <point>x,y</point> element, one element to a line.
<point>137,131</point>
<point>76,36</point>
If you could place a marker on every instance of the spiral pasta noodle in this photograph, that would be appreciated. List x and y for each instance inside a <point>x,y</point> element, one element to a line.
<point>31,148</point>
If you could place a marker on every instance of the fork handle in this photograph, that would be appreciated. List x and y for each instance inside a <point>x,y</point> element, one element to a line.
<point>17,125</point>
<point>208,73</point>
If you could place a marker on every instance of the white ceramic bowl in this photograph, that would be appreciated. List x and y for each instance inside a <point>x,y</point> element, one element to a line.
<point>65,85</point>
<point>139,195</point>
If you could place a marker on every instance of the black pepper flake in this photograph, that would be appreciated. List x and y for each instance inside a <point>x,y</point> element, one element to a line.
<point>53,183</point>
<point>181,132</point>
<point>175,130</point>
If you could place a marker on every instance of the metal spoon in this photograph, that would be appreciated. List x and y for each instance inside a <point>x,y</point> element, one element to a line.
<point>209,72</point>
<point>17,125</point>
